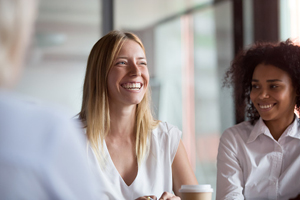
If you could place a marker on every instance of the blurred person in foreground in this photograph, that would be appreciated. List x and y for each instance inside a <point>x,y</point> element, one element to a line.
<point>259,158</point>
<point>42,153</point>
<point>134,156</point>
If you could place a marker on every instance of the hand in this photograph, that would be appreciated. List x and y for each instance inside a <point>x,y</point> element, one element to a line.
<point>149,197</point>
<point>296,198</point>
<point>169,196</point>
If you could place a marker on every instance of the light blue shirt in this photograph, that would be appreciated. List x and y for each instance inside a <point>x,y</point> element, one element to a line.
<point>42,154</point>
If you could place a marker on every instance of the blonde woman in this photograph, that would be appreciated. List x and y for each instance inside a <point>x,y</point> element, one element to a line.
<point>138,157</point>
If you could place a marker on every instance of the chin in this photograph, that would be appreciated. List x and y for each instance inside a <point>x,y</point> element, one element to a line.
<point>133,102</point>
<point>137,102</point>
<point>267,118</point>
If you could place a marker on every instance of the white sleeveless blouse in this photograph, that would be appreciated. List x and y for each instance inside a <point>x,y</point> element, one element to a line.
<point>154,174</point>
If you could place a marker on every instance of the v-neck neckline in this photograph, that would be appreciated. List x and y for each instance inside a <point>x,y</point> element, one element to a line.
<point>116,170</point>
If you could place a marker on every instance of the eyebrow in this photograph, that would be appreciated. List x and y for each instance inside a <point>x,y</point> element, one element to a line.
<point>124,57</point>
<point>270,81</point>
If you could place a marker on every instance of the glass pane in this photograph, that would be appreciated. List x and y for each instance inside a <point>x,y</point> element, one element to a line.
<point>168,70</point>
<point>213,104</point>
<point>290,19</point>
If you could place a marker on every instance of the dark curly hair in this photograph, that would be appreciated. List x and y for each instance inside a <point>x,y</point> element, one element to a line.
<point>284,55</point>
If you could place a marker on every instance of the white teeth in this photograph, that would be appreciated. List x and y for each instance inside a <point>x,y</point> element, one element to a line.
<point>265,106</point>
<point>132,86</point>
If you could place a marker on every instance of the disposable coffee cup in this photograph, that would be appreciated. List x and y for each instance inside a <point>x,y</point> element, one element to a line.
<point>196,192</point>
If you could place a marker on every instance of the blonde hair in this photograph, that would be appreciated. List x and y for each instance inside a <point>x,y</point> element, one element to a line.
<point>15,24</point>
<point>95,106</point>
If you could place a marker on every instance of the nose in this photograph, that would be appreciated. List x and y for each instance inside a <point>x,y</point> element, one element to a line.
<point>135,70</point>
<point>263,94</point>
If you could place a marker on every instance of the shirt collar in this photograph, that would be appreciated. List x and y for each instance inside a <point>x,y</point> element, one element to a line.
<point>259,128</point>
<point>294,129</point>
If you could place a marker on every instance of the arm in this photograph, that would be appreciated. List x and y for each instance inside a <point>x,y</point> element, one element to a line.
<point>229,172</point>
<point>181,170</point>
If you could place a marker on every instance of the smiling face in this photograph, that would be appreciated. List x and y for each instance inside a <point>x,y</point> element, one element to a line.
<point>128,77</point>
<point>272,93</point>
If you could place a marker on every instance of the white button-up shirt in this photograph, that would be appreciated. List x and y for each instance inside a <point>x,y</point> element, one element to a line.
<point>253,165</point>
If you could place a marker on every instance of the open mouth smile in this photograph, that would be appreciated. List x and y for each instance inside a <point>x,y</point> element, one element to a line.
<point>132,86</point>
<point>266,106</point>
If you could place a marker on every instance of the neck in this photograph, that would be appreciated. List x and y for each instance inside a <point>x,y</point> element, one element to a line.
<point>277,127</point>
<point>122,121</point>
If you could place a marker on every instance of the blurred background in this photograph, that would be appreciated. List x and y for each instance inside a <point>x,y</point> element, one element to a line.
<point>189,46</point>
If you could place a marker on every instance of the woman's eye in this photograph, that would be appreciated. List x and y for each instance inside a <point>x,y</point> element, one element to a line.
<point>121,63</point>
<point>255,86</point>
<point>273,86</point>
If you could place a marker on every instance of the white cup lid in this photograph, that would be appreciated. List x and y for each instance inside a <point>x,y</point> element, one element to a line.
<point>196,188</point>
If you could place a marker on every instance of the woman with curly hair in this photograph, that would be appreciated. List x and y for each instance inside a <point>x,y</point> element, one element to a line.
<point>134,155</point>
<point>259,158</point>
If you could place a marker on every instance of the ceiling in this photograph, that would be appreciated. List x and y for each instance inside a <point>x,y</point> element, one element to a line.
<point>67,29</point>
